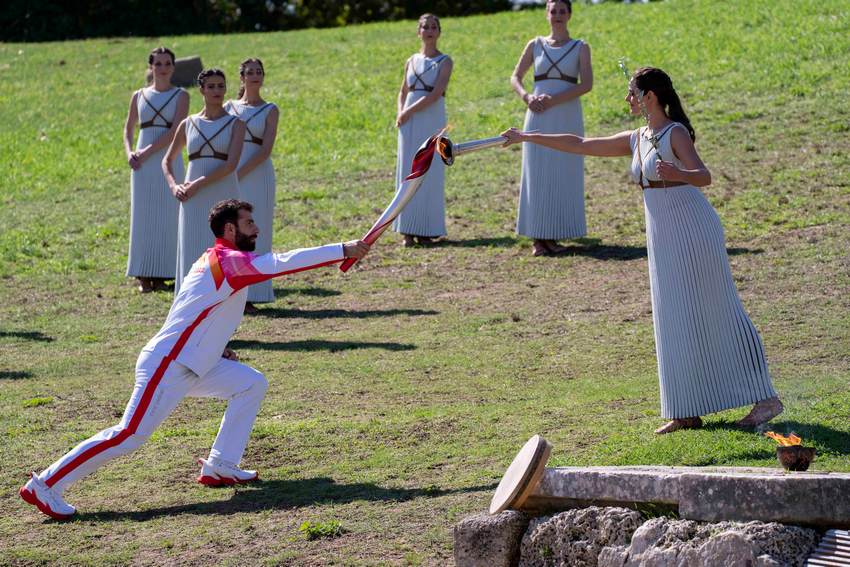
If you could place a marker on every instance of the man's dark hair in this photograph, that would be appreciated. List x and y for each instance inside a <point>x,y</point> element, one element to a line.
<point>225,212</point>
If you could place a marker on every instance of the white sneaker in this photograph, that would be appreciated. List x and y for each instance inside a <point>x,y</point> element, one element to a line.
<point>46,499</point>
<point>215,472</point>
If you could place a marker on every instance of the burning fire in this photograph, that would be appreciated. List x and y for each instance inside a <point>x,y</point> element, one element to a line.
<point>789,441</point>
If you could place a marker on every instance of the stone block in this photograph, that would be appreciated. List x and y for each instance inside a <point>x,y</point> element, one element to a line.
<point>665,542</point>
<point>810,498</point>
<point>577,537</point>
<point>486,540</point>
<point>574,487</point>
<point>707,494</point>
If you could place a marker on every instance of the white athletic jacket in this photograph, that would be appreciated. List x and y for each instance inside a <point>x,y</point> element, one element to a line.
<point>212,298</point>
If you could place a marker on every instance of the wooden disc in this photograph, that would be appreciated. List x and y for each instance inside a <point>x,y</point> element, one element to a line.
<point>522,476</point>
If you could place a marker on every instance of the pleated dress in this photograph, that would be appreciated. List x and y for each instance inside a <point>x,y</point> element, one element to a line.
<point>207,142</point>
<point>425,214</point>
<point>551,194</point>
<point>258,187</point>
<point>710,355</point>
<point>153,209</point>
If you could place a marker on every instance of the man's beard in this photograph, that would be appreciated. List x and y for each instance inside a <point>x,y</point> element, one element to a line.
<point>244,242</point>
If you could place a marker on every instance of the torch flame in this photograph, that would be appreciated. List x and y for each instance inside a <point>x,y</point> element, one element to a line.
<point>789,441</point>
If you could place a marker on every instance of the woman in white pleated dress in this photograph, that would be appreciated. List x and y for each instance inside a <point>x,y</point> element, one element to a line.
<point>213,138</point>
<point>158,109</point>
<point>710,355</point>
<point>551,195</point>
<point>421,114</point>
<point>255,171</point>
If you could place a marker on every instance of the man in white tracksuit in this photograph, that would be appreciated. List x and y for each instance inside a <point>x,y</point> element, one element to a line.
<point>189,357</point>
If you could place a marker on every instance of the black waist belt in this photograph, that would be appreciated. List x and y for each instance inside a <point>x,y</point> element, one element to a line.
<point>567,78</point>
<point>216,155</point>
<point>661,184</point>
<point>150,124</point>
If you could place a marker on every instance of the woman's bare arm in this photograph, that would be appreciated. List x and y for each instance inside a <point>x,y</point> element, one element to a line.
<point>610,146</point>
<point>526,60</point>
<point>403,90</point>
<point>130,130</point>
<point>174,152</point>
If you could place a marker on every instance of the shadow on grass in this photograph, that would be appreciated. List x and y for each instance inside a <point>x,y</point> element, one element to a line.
<point>284,495</point>
<point>593,248</point>
<point>27,335</point>
<point>315,345</point>
<point>14,374</point>
<point>826,438</point>
<point>308,291</point>
<point>281,313</point>
<point>495,242</point>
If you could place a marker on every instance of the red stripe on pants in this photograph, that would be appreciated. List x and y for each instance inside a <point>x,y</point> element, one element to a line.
<point>139,413</point>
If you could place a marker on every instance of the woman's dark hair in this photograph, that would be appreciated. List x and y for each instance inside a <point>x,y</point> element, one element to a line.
<point>243,66</point>
<point>159,51</point>
<point>424,18</point>
<point>567,2</point>
<point>206,73</point>
<point>225,212</point>
<point>655,80</point>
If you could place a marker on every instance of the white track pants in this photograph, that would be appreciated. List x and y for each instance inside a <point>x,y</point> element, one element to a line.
<point>161,383</point>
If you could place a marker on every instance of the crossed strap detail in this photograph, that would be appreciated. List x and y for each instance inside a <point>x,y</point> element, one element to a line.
<point>252,138</point>
<point>157,111</point>
<point>419,80</point>
<point>554,65</point>
<point>208,142</point>
<point>652,183</point>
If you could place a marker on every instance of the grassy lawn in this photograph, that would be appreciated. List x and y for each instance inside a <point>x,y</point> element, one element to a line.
<point>400,392</point>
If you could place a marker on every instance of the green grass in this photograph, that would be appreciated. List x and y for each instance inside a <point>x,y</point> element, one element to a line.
<point>400,392</point>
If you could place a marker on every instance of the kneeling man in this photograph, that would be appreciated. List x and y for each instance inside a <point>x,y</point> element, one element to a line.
<point>189,357</point>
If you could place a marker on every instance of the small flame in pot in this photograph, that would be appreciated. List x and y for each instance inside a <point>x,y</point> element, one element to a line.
<point>789,441</point>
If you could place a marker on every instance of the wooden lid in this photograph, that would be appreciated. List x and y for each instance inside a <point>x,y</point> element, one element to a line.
<point>522,476</point>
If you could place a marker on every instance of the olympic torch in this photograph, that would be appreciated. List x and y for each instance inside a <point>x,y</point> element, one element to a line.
<point>447,150</point>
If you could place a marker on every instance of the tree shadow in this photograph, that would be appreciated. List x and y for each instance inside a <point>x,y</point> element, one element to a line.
<point>316,345</point>
<point>282,313</point>
<point>283,495</point>
<point>14,374</point>
<point>308,291</point>
<point>826,438</point>
<point>28,335</point>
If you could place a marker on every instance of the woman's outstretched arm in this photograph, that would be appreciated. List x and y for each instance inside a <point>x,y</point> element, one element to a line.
<point>616,145</point>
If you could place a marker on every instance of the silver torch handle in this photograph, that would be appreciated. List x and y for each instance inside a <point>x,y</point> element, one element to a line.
<point>475,145</point>
<point>448,150</point>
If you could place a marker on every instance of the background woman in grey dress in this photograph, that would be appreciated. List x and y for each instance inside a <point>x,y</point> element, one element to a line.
<point>421,114</point>
<point>551,197</point>
<point>710,356</point>
<point>255,172</point>
<point>158,109</point>
<point>214,142</point>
